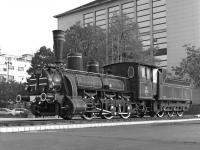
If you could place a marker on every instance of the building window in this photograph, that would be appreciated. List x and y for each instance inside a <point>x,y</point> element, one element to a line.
<point>20,68</point>
<point>10,77</point>
<point>4,69</point>
<point>88,19</point>
<point>10,67</point>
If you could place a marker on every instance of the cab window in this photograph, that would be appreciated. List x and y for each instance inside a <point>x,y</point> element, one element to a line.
<point>142,72</point>
<point>148,73</point>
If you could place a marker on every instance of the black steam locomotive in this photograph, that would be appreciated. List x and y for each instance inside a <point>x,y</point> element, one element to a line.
<point>124,89</point>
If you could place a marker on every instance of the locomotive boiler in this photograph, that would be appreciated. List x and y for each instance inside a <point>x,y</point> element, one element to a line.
<point>124,89</point>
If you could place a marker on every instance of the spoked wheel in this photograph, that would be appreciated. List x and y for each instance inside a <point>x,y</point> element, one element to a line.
<point>127,113</point>
<point>88,116</point>
<point>66,111</point>
<point>179,113</point>
<point>107,116</point>
<point>125,116</point>
<point>160,114</point>
<point>170,113</point>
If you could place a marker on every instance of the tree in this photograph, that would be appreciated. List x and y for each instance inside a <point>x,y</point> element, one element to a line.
<point>89,40</point>
<point>125,43</point>
<point>41,57</point>
<point>123,39</point>
<point>9,91</point>
<point>189,68</point>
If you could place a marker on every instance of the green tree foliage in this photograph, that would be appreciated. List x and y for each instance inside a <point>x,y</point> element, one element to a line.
<point>9,91</point>
<point>189,68</point>
<point>41,57</point>
<point>125,44</point>
<point>89,40</point>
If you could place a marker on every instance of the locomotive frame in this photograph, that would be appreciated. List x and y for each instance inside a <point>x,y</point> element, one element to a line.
<point>124,89</point>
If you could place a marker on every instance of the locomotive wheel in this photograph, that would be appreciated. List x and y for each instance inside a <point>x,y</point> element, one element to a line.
<point>141,115</point>
<point>107,116</point>
<point>88,116</point>
<point>67,115</point>
<point>125,116</point>
<point>170,113</point>
<point>152,114</point>
<point>160,114</point>
<point>179,113</point>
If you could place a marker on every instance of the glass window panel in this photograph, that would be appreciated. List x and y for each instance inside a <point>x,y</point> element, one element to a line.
<point>100,12</point>
<point>160,27</point>
<point>139,2</point>
<point>127,11</point>
<point>143,18</point>
<point>101,22</point>
<point>161,34</point>
<point>158,3</point>
<point>145,43</point>
<point>161,40</point>
<point>89,15</point>
<point>142,72</point>
<point>145,37</point>
<point>146,47</point>
<point>102,26</point>
<point>159,15</point>
<point>158,9</point>
<point>159,21</point>
<point>131,15</point>
<point>112,9</point>
<point>100,17</point>
<point>89,24</point>
<point>144,12</point>
<point>148,74</point>
<point>89,20</point>
<point>127,5</point>
<point>160,46</point>
<point>113,14</point>
<point>142,7</point>
<point>142,30</point>
<point>144,24</point>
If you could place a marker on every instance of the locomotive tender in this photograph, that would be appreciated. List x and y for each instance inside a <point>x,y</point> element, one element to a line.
<point>124,89</point>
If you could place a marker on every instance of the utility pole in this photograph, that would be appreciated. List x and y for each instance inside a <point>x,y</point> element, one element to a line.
<point>8,63</point>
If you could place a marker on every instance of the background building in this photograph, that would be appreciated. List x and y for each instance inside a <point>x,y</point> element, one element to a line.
<point>164,24</point>
<point>14,67</point>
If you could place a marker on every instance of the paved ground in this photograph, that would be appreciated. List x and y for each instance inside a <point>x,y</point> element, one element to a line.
<point>174,136</point>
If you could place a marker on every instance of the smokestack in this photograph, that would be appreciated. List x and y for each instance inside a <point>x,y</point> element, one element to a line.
<point>58,38</point>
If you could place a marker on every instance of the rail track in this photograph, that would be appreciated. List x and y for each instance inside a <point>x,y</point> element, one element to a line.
<point>78,120</point>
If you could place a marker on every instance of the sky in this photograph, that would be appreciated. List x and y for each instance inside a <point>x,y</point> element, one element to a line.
<point>26,25</point>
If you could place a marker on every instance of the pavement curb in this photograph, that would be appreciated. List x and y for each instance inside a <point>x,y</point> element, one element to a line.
<point>88,125</point>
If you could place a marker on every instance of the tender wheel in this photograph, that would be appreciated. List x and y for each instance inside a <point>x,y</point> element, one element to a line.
<point>125,116</point>
<point>160,114</point>
<point>88,116</point>
<point>170,113</point>
<point>179,113</point>
<point>107,116</point>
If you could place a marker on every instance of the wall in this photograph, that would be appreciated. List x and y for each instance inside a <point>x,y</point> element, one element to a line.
<point>183,27</point>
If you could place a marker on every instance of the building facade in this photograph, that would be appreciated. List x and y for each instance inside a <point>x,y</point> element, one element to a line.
<point>163,24</point>
<point>13,68</point>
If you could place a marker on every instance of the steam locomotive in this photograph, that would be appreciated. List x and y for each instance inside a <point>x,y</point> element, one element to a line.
<point>124,89</point>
